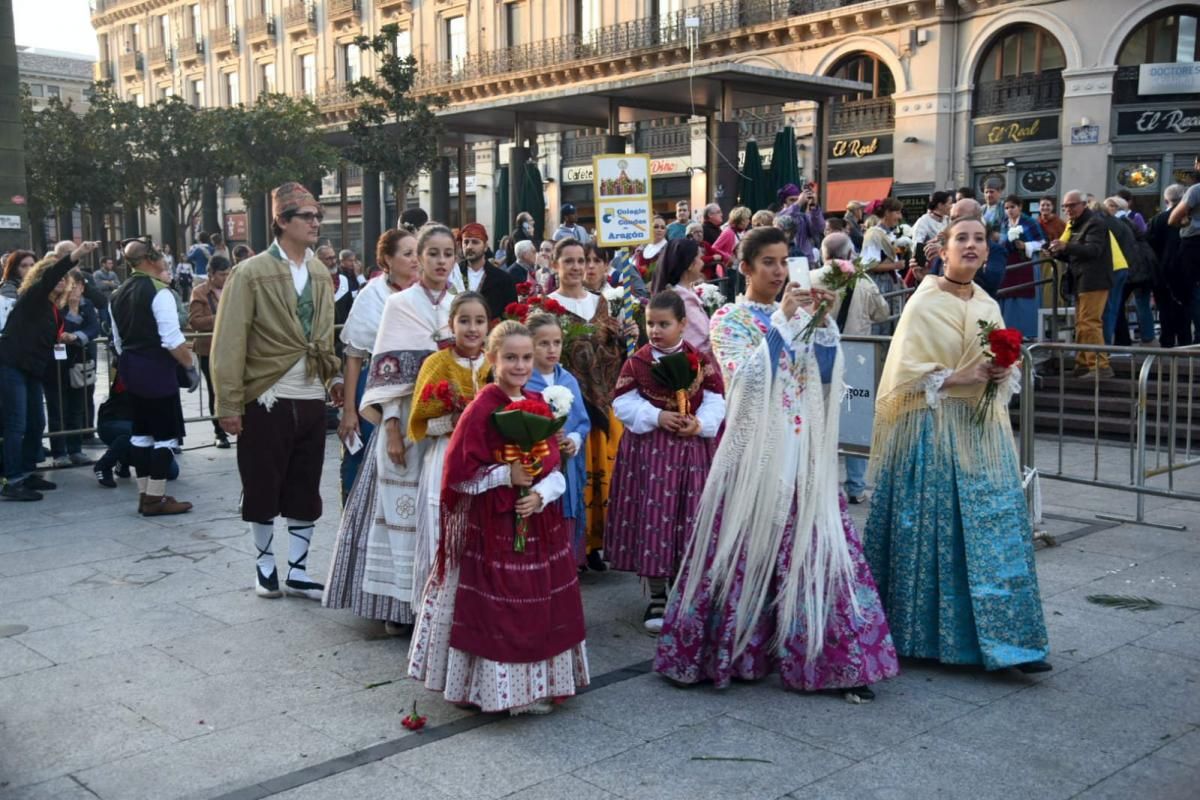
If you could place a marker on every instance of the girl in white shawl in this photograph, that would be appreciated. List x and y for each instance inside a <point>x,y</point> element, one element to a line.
<point>775,576</point>
<point>372,568</point>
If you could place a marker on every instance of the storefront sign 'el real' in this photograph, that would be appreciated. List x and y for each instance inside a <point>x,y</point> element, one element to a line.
<point>1159,121</point>
<point>621,187</point>
<point>861,147</point>
<point>1015,131</point>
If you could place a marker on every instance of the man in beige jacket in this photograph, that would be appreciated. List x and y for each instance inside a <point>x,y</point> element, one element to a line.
<point>275,362</point>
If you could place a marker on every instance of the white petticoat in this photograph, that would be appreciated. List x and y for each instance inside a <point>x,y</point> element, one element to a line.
<point>490,685</point>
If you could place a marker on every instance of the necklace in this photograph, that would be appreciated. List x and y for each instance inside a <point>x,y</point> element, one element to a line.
<point>436,302</point>
<point>959,283</point>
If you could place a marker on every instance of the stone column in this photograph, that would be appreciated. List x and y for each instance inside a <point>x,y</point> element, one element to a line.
<point>370,215</point>
<point>439,191</point>
<point>258,222</point>
<point>210,219</point>
<point>485,191</point>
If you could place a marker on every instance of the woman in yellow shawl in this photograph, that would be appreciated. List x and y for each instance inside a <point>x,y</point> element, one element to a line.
<point>949,539</point>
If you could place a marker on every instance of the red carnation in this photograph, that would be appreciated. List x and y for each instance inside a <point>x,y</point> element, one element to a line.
<point>693,361</point>
<point>414,721</point>
<point>516,310</point>
<point>530,406</point>
<point>525,288</point>
<point>553,306</point>
<point>1005,345</point>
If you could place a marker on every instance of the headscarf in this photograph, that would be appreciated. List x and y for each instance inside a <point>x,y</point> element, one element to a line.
<point>473,230</point>
<point>789,190</point>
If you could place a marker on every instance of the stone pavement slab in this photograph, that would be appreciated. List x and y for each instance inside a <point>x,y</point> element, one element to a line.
<point>150,669</point>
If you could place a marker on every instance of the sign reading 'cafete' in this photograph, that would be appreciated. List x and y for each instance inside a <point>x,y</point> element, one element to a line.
<point>861,147</point>
<point>1016,131</point>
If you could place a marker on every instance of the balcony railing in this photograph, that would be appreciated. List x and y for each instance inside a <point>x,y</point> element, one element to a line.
<point>189,49</point>
<point>339,9</point>
<point>580,149</point>
<point>334,95</point>
<point>130,63</point>
<point>223,37</point>
<point>259,28</point>
<point>621,39</point>
<point>299,15</point>
<point>159,55</point>
<point>759,124</point>
<point>665,140</point>
<point>1019,94</point>
<point>857,116</point>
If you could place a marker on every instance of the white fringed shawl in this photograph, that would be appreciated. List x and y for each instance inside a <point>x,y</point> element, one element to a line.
<point>779,447</point>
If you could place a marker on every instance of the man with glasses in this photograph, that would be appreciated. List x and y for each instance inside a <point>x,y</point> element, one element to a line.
<point>1086,249</point>
<point>151,349</point>
<point>273,362</point>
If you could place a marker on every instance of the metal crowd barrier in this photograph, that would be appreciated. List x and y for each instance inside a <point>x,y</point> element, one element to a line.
<point>1162,429</point>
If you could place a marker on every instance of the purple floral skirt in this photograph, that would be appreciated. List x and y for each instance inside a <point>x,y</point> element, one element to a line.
<point>697,643</point>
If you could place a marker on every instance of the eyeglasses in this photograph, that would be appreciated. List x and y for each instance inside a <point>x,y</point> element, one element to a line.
<point>308,216</point>
<point>1067,206</point>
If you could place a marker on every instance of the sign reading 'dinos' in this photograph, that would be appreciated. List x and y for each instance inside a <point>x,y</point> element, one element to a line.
<point>861,147</point>
<point>1015,131</point>
<point>1159,121</point>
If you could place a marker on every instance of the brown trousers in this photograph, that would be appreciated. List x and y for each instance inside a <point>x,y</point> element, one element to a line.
<point>280,455</point>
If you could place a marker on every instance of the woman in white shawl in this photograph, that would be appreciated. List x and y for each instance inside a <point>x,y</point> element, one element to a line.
<point>396,255</point>
<point>775,576</point>
<point>372,569</point>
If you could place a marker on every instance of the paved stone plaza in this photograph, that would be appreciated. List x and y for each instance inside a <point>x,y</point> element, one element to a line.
<point>150,670</point>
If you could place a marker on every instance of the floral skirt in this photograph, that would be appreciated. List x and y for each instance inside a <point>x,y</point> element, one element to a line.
<point>656,488</point>
<point>490,685</point>
<point>697,643</point>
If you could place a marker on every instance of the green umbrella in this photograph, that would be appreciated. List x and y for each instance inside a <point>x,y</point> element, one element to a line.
<point>754,190</point>
<point>784,166</point>
<point>502,221</point>
<point>531,198</point>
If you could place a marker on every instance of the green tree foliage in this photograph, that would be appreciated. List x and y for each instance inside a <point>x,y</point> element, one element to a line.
<point>394,133</point>
<point>277,140</point>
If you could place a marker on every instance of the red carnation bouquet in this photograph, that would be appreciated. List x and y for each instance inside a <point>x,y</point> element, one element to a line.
<point>677,372</point>
<point>526,426</point>
<point>1002,347</point>
<point>445,393</point>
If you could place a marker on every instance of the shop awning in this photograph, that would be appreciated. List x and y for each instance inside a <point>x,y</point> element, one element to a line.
<point>839,193</point>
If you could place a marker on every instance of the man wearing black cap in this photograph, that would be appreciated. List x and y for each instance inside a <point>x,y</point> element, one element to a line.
<point>569,227</point>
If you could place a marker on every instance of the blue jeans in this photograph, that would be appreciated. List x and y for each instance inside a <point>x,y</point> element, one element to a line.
<point>856,476</point>
<point>1115,306</point>
<point>23,422</point>
<point>1145,314</point>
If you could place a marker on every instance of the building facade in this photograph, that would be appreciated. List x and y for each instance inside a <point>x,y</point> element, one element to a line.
<point>1045,95</point>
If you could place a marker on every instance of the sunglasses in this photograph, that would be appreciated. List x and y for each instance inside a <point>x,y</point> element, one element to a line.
<point>308,216</point>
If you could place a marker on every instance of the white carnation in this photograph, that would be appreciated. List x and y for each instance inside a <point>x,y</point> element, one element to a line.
<point>613,293</point>
<point>559,398</point>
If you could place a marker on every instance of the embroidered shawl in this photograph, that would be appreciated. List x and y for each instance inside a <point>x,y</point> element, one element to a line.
<point>411,328</point>
<point>636,374</point>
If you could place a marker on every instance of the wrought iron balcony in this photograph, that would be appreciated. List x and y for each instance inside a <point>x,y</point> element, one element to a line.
<point>341,9</point>
<point>665,140</point>
<point>159,55</point>
<point>395,6</point>
<point>334,95</point>
<point>759,124</point>
<point>131,63</point>
<point>299,15</point>
<point>260,28</point>
<point>223,38</point>
<point>621,40</point>
<point>858,116</point>
<point>1019,94</point>
<point>580,149</point>
<point>189,49</point>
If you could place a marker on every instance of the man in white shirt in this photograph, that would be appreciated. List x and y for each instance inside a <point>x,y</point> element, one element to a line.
<point>151,348</point>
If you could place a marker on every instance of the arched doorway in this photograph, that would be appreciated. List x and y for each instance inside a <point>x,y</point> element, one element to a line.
<point>1017,107</point>
<point>1156,106</point>
<point>860,141</point>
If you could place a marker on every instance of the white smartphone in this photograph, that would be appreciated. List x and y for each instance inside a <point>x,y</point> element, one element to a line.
<point>798,271</point>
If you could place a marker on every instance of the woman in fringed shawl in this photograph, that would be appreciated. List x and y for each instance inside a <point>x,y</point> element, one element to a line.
<point>372,567</point>
<point>595,361</point>
<point>464,369</point>
<point>774,576</point>
<point>396,254</point>
<point>501,629</point>
<point>949,537</point>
